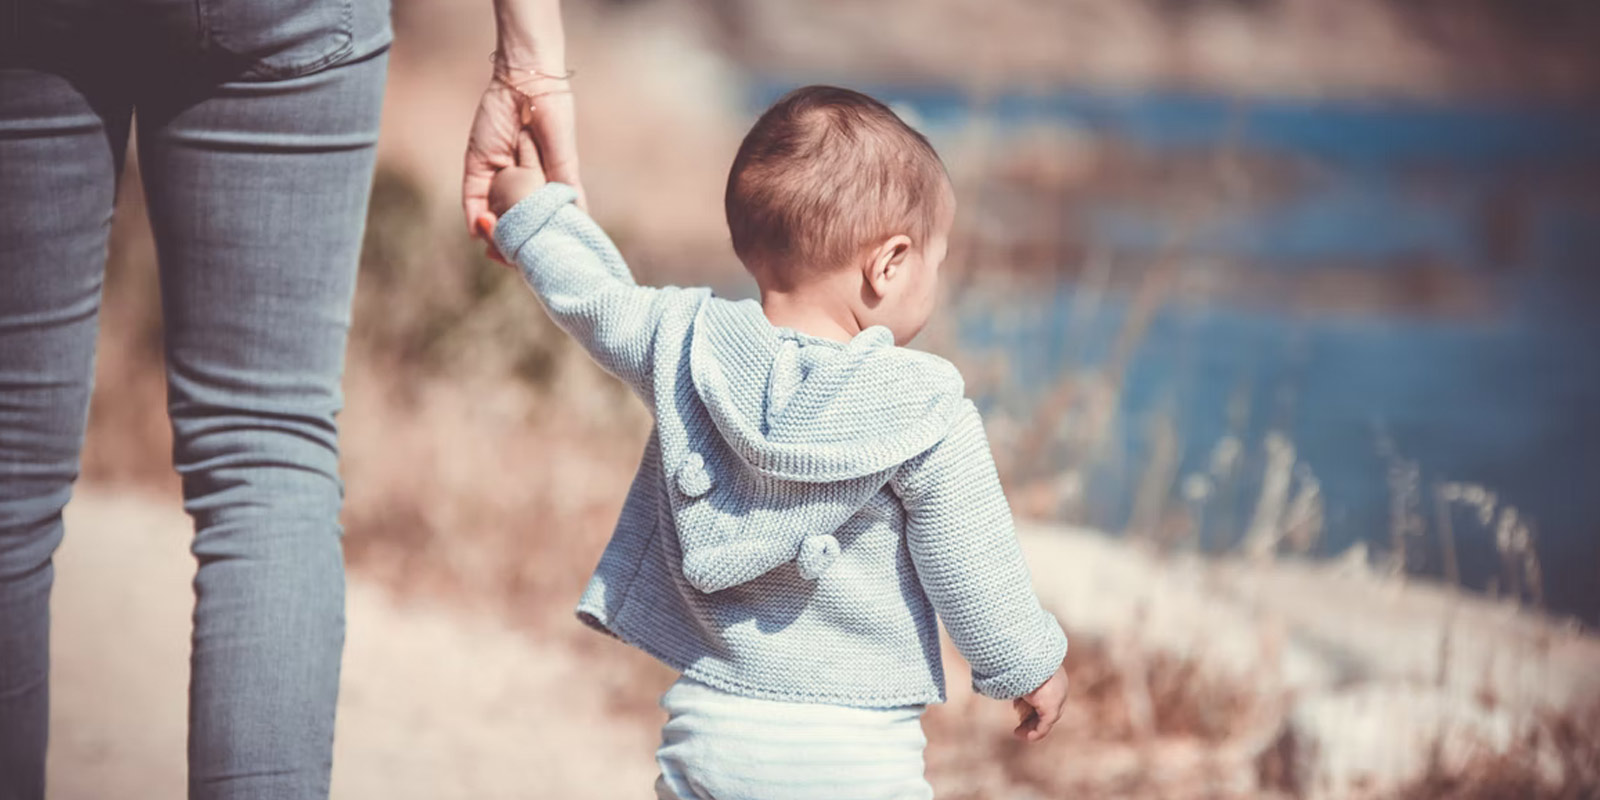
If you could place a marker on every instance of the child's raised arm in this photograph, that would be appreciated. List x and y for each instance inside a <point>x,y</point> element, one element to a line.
<point>960,534</point>
<point>583,281</point>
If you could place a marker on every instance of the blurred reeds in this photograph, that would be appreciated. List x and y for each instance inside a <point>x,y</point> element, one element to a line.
<point>1557,758</point>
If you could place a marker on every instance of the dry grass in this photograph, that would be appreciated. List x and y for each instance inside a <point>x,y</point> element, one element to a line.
<point>1177,699</point>
<point>1558,758</point>
<point>1136,724</point>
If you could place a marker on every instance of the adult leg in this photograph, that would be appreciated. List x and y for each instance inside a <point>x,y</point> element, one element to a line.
<point>258,194</point>
<point>62,140</point>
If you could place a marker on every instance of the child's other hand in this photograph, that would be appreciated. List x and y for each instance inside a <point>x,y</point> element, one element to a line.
<point>512,184</point>
<point>1040,709</point>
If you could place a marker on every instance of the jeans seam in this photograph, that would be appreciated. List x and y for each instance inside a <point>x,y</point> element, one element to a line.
<point>345,30</point>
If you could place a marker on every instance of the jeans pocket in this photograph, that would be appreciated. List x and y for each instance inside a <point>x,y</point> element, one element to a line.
<point>278,38</point>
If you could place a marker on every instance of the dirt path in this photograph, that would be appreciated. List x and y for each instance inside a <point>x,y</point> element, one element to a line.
<point>435,703</point>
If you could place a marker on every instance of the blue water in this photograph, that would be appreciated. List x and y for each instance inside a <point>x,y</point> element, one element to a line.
<point>1508,404</point>
<point>1369,133</point>
<point>1508,398</point>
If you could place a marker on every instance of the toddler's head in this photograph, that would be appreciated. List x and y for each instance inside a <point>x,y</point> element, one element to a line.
<point>833,197</point>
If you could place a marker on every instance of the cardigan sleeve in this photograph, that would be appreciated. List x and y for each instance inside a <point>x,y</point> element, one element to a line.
<point>583,282</point>
<point>961,539</point>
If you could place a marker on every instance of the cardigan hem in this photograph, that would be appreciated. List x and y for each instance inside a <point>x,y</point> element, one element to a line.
<point>611,628</point>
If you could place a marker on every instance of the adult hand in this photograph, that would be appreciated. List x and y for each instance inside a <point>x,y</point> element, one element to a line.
<point>492,145</point>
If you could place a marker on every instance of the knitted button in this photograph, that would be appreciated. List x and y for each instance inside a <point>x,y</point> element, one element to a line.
<point>693,479</point>
<point>817,553</point>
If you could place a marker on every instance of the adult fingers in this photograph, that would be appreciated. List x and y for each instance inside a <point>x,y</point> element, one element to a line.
<point>528,155</point>
<point>475,180</point>
<point>483,228</point>
<point>491,145</point>
<point>527,151</point>
<point>558,144</point>
<point>477,173</point>
<point>493,254</point>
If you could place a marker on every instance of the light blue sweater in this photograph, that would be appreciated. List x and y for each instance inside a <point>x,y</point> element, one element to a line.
<point>804,507</point>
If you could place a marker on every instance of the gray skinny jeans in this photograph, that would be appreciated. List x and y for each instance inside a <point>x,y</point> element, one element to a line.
<point>257,123</point>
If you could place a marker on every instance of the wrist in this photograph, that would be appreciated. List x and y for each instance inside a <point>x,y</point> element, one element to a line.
<point>528,78</point>
<point>528,33</point>
<point>525,56</point>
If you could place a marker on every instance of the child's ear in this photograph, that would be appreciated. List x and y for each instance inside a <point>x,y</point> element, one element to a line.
<point>887,263</point>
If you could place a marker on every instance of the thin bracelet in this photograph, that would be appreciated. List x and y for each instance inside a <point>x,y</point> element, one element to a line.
<point>526,108</point>
<point>505,66</point>
<point>512,85</point>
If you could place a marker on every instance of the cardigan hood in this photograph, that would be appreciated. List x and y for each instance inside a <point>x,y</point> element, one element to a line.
<point>786,436</point>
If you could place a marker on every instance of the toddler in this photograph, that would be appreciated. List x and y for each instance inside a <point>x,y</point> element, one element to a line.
<point>814,497</point>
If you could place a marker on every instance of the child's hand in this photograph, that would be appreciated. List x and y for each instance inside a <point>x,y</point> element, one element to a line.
<point>509,186</point>
<point>1040,709</point>
<point>514,183</point>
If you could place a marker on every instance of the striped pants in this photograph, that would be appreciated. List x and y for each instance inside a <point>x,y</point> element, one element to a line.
<point>719,746</point>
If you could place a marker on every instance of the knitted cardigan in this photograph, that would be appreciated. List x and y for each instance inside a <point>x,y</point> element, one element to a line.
<point>806,510</point>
